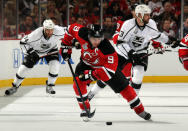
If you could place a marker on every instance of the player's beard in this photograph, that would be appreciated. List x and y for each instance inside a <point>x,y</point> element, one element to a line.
<point>146,22</point>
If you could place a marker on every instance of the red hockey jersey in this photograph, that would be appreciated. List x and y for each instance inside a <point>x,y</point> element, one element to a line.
<point>115,36</point>
<point>103,59</point>
<point>183,50</point>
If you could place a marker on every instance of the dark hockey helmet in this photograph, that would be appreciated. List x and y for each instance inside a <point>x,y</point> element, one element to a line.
<point>95,31</point>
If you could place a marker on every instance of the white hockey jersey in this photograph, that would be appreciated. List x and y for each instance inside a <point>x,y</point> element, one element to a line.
<point>133,37</point>
<point>37,41</point>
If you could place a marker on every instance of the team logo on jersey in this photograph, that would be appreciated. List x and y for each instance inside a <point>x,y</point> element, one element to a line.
<point>45,45</point>
<point>76,28</point>
<point>96,61</point>
<point>87,55</point>
<point>137,41</point>
<point>85,46</point>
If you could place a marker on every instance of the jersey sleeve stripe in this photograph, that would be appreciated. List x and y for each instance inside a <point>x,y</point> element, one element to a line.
<point>110,70</point>
<point>152,28</point>
<point>156,37</point>
<point>182,44</point>
<point>105,70</point>
<point>129,31</point>
<point>58,35</point>
<point>35,40</point>
<point>122,52</point>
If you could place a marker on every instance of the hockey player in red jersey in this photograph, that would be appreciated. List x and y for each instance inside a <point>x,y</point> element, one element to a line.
<point>99,61</point>
<point>183,52</point>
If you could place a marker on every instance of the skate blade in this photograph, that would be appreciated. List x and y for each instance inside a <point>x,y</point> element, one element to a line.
<point>50,95</point>
<point>85,119</point>
<point>92,114</point>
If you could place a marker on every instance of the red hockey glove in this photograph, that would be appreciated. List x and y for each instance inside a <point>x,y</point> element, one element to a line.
<point>65,52</point>
<point>157,45</point>
<point>87,75</point>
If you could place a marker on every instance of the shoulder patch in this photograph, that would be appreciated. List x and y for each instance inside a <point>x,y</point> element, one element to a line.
<point>106,47</point>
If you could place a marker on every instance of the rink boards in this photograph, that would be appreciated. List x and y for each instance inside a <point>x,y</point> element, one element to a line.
<point>162,68</point>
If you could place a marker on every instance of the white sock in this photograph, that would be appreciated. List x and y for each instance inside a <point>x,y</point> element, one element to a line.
<point>95,89</point>
<point>53,70</point>
<point>21,72</point>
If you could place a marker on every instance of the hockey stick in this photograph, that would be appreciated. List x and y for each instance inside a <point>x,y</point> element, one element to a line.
<point>78,88</point>
<point>51,53</point>
<point>159,51</point>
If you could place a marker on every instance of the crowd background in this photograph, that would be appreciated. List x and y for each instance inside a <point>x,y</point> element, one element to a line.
<point>166,13</point>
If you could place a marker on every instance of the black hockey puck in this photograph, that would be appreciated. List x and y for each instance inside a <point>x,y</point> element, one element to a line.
<point>108,123</point>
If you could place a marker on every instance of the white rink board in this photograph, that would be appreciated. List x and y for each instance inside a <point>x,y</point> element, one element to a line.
<point>11,58</point>
<point>10,55</point>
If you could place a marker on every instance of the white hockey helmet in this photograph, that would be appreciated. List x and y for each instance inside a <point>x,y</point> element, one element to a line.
<point>142,9</point>
<point>48,24</point>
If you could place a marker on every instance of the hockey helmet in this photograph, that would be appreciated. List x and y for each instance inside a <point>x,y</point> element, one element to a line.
<point>142,9</point>
<point>48,24</point>
<point>95,31</point>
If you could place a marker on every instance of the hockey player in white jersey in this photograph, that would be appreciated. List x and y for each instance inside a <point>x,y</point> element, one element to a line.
<point>41,43</point>
<point>133,41</point>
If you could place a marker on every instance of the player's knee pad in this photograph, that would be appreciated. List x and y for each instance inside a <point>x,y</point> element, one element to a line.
<point>138,74</point>
<point>101,84</point>
<point>54,66</point>
<point>118,82</point>
<point>185,64</point>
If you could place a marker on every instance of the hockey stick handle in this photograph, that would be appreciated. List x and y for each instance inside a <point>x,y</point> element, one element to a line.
<point>74,77</point>
<point>51,53</point>
<point>154,52</point>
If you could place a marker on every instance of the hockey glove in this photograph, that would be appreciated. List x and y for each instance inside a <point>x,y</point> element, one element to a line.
<point>76,44</point>
<point>65,52</point>
<point>158,47</point>
<point>87,75</point>
<point>133,56</point>
<point>173,42</point>
<point>32,55</point>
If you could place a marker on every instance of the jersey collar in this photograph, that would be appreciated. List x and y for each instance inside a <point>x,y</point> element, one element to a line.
<point>45,37</point>
<point>140,27</point>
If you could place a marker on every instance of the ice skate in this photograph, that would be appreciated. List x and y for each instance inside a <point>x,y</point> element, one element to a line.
<point>85,116</point>
<point>11,90</point>
<point>49,88</point>
<point>145,115</point>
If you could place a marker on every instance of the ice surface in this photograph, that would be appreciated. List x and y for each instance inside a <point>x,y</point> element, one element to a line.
<point>31,109</point>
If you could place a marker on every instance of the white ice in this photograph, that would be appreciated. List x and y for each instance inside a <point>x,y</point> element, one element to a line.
<point>31,109</point>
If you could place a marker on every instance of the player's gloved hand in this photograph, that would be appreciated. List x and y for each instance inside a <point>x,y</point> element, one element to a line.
<point>158,47</point>
<point>32,55</point>
<point>134,56</point>
<point>65,51</point>
<point>173,42</point>
<point>87,75</point>
<point>76,44</point>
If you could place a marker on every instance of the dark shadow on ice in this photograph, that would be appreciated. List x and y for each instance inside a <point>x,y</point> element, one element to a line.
<point>6,100</point>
